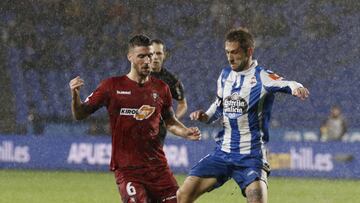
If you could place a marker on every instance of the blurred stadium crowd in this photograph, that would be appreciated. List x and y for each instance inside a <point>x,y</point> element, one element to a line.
<point>45,43</point>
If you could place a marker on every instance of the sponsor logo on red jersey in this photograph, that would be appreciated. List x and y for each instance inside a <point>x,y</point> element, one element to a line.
<point>144,112</point>
<point>123,92</point>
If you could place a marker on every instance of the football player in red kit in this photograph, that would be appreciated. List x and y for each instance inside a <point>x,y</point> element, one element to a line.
<point>135,103</point>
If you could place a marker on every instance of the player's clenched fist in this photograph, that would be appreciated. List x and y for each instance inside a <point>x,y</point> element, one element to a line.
<point>302,93</point>
<point>75,84</point>
<point>199,115</point>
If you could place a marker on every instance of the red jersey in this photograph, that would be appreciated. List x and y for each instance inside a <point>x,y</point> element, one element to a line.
<point>135,111</point>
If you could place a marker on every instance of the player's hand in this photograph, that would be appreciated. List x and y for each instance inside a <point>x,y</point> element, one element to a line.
<point>193,133</point>
<point>75,84</point>
<point>302,93</point>
<point>199,115</point>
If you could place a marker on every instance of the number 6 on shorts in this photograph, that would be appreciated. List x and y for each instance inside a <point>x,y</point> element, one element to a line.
<point>130,189</point>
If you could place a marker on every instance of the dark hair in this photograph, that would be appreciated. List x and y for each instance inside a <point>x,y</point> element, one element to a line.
<point>139,40</point>
<point>241,35</point>
<point>159,41</point>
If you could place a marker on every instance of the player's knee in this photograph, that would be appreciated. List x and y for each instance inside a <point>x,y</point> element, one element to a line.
<point>183,196</point>
<point>254,195</point>
<point>179,195</point>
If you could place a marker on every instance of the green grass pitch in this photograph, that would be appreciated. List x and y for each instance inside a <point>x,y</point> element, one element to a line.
<point>80,187</point>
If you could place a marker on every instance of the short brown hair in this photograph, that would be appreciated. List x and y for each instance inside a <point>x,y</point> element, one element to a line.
<point>139,40</point>
<point>241,35</point>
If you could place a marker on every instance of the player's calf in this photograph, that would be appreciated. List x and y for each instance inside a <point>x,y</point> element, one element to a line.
<point>254,196</point>
<point>256,192</point>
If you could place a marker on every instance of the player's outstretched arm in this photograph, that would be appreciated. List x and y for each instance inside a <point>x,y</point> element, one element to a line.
<point>177,128</point>
<point>79,110</point>
<point>301,92</point>
<point>199,115</point>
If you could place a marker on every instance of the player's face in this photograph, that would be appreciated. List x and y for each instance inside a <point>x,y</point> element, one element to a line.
<point>158,57</point>
<point>236,56</point>
<point>140,58</point>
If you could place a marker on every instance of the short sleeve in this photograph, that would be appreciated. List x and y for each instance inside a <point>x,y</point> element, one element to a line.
<point>177,91</point>
<point>100,96</point>
<point>167,97</point>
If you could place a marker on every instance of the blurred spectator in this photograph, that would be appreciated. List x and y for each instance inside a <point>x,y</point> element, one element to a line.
<point>36,122</point>
<point>75,36</point>
<point>30,56</point>
<point>334,127</point>
<point>318,25</point>
<point>221,12</point>
<point>97,127</point>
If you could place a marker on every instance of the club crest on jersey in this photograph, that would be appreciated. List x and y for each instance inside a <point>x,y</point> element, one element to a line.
<point>235,106</point>
<point>144,112</point>
<point>253,81</point>
<point>155,96</point>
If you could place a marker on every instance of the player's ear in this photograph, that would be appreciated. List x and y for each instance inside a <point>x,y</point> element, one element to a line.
<point>250,51</point>
<point>129,56</point>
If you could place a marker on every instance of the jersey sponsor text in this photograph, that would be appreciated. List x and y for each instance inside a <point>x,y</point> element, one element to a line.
<point>144,112</point>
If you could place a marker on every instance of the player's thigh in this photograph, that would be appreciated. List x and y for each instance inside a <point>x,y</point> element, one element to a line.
<point>132,192</point>
<point>209,173</point>
<point>256,192</point>
<point>162,185</point>
<point>130,189</point>
<point>194,186</point>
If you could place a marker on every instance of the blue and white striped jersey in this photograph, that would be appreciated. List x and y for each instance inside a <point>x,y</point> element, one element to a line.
<point>244,101</point>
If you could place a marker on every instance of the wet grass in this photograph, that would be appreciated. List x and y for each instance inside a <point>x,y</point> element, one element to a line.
<point>78,187</point>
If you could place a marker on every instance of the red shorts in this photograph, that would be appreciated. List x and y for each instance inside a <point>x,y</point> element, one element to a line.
<point>149,185</point>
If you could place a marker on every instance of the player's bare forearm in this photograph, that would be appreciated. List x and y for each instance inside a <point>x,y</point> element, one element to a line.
<point>175,127</point>
<point>181,108</point>
<point>179,129</point>
<point>78,109</point>
<point>172,123</point>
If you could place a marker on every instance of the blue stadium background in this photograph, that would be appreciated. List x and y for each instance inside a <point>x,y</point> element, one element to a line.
<point>44,44</point>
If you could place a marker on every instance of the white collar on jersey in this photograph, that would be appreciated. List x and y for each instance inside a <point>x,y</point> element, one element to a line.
<point>249,70</point>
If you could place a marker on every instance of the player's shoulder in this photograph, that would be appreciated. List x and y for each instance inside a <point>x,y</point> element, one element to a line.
<point>263,70</point>
<point>159,85</point>
<point>268,73</point>
<point>225,72</point>
<point>157,82</point>
<point>172,76</point>
<point>167,72</point>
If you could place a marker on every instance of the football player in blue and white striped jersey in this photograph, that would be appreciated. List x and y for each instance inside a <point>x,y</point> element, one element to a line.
<point>245,94</point>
